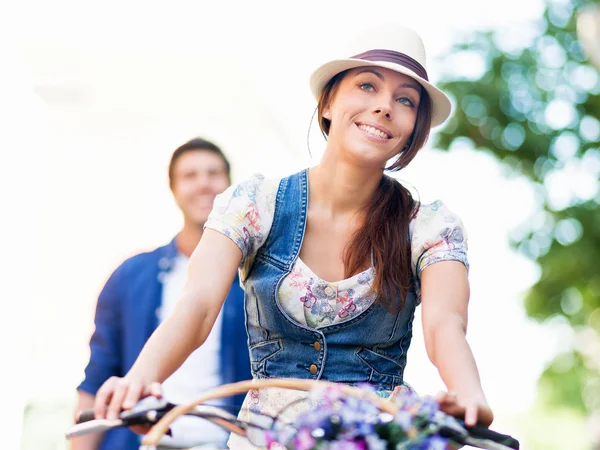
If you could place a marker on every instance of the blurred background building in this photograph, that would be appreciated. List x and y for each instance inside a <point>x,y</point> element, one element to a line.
<point>94,98</point>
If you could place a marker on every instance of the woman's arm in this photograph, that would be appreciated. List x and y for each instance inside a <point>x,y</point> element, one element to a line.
<point>211,272</point>
<point>445,299</point>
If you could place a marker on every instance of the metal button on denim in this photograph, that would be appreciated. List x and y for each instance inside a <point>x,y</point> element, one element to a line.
<point>313,369</point>
<point>317,346</point>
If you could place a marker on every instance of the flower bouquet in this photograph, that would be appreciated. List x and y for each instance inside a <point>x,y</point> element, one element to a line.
<point>340,417</point>
<point>342,422</point>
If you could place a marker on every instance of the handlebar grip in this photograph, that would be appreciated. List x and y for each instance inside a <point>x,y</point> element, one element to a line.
<point>85,416</point>
<point>480,432</point>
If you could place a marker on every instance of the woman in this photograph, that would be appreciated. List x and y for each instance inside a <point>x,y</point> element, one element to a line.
<point>293,239</point>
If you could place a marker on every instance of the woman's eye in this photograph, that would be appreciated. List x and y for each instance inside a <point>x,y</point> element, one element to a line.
<point>405,101</point>
<point>366,87</point>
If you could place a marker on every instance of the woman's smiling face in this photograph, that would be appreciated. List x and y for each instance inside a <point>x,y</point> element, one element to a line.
<point>373,113</point>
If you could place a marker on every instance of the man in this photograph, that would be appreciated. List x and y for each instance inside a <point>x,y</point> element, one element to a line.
<point>143,291</point>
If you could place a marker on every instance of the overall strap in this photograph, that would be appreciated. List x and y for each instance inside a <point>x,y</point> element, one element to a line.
<point>289,222</point>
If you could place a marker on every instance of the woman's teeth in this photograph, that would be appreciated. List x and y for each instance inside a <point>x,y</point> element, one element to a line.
<point>373,131</point>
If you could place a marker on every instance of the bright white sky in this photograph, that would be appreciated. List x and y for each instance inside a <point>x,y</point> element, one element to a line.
<point>94,98</point>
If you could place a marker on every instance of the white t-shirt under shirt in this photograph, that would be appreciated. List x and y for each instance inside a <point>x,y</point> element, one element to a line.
<point>198,374</point>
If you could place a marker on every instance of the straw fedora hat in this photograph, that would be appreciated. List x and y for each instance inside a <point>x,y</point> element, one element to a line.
<point>394,47</point>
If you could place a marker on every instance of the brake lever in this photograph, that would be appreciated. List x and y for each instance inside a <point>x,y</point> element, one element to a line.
<point>146,412</point>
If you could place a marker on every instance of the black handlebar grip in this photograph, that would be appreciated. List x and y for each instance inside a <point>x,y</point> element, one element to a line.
<point>85,416</point>
<point>480,432</point>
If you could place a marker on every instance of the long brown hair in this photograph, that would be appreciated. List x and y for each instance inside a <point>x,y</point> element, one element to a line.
<point>390,211</point>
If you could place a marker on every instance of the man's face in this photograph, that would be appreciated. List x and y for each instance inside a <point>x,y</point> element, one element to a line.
<point>198,176</point>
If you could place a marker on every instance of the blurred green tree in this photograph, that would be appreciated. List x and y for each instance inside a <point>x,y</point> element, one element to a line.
<point>530,97</point>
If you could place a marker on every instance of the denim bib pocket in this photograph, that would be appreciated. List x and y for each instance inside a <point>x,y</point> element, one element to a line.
<point>385,371</point>
<point>262,352</point>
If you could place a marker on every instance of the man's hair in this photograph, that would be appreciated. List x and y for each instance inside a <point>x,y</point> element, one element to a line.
<point>196,144</point>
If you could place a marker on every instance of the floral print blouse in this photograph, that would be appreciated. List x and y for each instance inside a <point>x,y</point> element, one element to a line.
<point>245,212</point>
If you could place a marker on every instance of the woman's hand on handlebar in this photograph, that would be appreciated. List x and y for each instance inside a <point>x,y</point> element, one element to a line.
<point>473,411</point>
<point>118,394</point>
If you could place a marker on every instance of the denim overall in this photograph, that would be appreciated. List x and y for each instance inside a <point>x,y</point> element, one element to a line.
<point>370,347</point>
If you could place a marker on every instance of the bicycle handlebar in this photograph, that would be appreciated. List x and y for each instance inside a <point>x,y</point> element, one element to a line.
<point>149,412</point>
<point>146,412</point>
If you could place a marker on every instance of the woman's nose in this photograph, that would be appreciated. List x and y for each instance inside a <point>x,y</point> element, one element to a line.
<point>383,108</point>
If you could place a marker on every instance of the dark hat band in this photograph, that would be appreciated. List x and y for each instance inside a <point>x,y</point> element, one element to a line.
<point>394,57</point>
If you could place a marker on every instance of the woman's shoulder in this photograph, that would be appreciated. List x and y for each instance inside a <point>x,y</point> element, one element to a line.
<point>434,219</point>
<point>436,234</point>
<point>436,210</point>
<point>256,194</point>
<point>255,185</point>
<point>258,188</point>
<point>244,212</point>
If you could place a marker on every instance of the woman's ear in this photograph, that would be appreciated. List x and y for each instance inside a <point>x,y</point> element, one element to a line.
<point>327,114</point>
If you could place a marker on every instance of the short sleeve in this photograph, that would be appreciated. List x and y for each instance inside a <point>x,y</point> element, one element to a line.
<point>244,213</point>
<point>437,234</point>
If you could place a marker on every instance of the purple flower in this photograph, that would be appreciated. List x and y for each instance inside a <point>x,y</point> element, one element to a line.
<point>429,408</point>
<point>330,394</point>
<point>347,445</point>
<point>337,422</point>
<point>407,399</point>
<point>304,440</point>
<point>375,443</point>
<point>404,419</point>
<point>434,443</point>
<point>356,410</point>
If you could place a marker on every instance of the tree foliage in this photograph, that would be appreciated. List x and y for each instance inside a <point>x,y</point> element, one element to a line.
<point>536,107</point>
